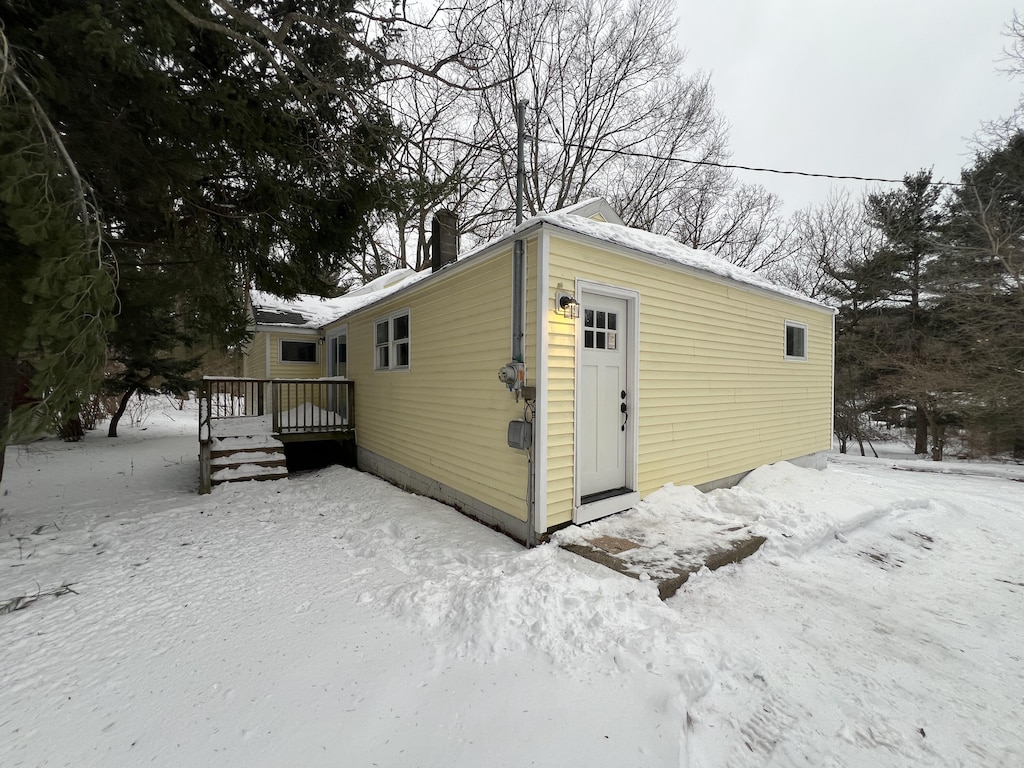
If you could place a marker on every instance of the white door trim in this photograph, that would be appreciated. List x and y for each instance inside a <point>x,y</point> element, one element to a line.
<point>584,513</point>
<point>329,341</point>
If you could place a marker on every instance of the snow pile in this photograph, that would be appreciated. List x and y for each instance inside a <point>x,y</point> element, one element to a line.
<point>547,601</point>
<point>310,415</point>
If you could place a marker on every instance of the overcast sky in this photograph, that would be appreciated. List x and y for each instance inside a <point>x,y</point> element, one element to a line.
<point>857,87</point>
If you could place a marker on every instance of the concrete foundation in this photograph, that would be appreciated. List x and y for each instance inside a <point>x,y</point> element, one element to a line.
<point>410,480</point>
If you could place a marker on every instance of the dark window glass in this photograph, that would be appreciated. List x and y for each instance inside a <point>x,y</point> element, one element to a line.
<point>588,339</point>
<point>401,327</point>
<point>611,321</point>
<point>402,355</point>
<point>298,351</point>
<point>796,341</point>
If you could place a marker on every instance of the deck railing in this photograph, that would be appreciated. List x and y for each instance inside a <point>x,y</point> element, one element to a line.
<point>311,405</point>
<point>294,406</point>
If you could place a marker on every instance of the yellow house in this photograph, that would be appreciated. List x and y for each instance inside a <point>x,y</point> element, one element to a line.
<point>565,371</point>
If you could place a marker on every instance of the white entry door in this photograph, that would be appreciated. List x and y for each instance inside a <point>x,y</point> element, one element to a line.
<point>603,401</point>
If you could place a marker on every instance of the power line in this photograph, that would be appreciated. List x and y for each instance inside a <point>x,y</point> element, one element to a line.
<point>730,166</point>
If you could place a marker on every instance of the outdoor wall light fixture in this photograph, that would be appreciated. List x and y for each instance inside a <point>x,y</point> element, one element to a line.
<point>566,305</point>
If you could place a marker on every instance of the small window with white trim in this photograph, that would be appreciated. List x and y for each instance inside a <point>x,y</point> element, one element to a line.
<point>298,351</point>
<point>382,345</point>
<point>391,342</point>
<point>796,341</point>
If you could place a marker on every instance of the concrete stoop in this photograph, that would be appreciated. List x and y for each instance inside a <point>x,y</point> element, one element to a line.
<point>626,556</point>
<point>239,458</point>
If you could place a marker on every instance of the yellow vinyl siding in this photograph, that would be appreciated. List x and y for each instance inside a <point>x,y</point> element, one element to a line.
<point>254,361</point>
<point>292,397</point>
<point>561,423</point>
<point>716,395</point>
<point>446,417</point>
<point>284,370</point>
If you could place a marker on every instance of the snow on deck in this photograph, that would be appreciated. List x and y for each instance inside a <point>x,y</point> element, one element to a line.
<point>312,416</point>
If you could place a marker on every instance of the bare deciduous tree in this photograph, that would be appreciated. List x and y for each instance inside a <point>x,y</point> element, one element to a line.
<point>610,112</point>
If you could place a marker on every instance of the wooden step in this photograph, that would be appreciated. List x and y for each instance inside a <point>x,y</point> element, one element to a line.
<point>247,452</point>
<point>245,443</point>
<point>243,472</point>
<point>240,458</point>
<point>236,460</point>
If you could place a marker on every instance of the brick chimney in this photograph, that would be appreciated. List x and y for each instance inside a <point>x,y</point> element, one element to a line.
<point>444,239</point>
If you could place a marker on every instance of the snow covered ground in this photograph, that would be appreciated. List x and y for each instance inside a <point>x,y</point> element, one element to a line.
<point>332,620</point>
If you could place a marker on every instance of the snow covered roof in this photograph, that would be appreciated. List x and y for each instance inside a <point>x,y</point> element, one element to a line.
<point>313,311</point>
<point>596,208</point>
<point>661,247</point>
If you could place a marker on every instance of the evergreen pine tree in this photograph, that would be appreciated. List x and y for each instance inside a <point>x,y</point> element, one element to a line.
<point>213,167</point>
<point>904,344</point>
<point>979,276</point>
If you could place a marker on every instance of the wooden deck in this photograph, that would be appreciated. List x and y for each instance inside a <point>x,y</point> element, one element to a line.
<point>244,423</point>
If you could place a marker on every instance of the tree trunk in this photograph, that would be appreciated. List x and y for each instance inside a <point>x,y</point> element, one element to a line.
<point>112,430</point>
<point>921,422</point>
<point>8,377</point>
<point>938,437</point>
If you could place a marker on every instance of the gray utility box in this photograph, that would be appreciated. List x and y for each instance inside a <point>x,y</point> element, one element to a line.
<point>520,434</point>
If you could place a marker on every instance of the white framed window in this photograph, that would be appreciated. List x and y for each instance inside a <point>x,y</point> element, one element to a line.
<point>796,341</point>
<point>391,340</point>
<point>295,351</point>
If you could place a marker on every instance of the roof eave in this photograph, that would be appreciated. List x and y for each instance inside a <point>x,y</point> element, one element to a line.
<point>643,255</point>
